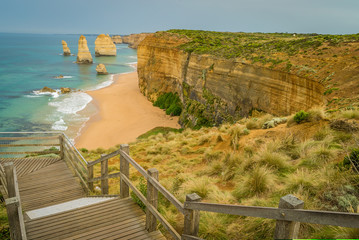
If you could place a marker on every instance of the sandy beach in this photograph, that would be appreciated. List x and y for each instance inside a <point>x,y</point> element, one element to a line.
<point>123,114</point>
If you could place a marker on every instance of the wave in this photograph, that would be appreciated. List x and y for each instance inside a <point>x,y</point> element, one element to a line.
<point>59,125</point>
<point>103,84</point>
<point>55,94</point>
<point>133,57</point>
<point>71,103</point>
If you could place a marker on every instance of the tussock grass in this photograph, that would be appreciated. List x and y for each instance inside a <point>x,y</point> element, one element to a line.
<point>350,114</point>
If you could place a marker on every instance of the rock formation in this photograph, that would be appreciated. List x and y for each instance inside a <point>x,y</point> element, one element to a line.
<point>66,49</point>
<point>134,40</point>
<point>83,55</point>
<point>101,69</point>
<point>65,90</point>
<point>104,46</point>
<point>47,89</point>
<point>116,39</point>
<point>60,76</point>
<point>222,88</point>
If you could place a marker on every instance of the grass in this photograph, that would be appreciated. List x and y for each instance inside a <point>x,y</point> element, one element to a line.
<point>265,165</point>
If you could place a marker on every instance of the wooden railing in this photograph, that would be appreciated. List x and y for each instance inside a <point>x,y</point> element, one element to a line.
<point>289,213</point>
<point>13,202</point>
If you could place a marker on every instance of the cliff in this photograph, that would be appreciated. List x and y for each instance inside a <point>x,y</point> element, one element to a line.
<point>104,46</point>
<point>66,49</point>
<point>214,88</point>
<point>83,54</point>
<point>134,40</point>
<point>116,39</point>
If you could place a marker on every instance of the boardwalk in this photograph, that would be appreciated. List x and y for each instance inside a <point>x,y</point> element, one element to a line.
<point>56,207</point>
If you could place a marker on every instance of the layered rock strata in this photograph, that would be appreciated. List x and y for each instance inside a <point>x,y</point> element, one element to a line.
<point>219,89</point>
<point>66,49</point>
<point>116,39</point>
<point>83,54</point>
<point>104,46</point>
<point>101,69</point>
<point>134,40</point>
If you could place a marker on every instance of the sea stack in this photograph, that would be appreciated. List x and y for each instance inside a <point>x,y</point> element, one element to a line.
<point>116,39</point>
<point>104,46</point>
<point>66,49</point>
<point>83,54</point>
<point>101,69</point>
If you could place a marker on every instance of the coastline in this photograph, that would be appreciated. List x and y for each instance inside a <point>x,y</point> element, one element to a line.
<point>123,114</point>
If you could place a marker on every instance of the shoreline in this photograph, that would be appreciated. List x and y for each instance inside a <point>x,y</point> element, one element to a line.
<point>123,114</point>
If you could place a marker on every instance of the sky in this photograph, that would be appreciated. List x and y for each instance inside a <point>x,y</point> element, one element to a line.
<point>135,16</point>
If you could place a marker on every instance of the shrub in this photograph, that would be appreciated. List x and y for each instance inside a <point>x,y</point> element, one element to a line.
<point>352,160</point>
<point>143,189</point>
<point>170,102</point>
<point>301,116</point>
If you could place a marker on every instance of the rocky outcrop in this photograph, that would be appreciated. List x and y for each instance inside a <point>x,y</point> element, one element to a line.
<point>66,49</point>
<point>116,39</point>
<point>104,46</point>
<point>83,54</point>
<point>218,89</point>
<point>101,69</point>
<point>134,40</point>
<point>47,89</point>
<point>65,90</point>
<point>59,77</point>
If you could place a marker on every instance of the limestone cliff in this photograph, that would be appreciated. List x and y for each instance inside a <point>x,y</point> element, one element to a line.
<point>66,49</point>
<point>101,69</point>
<point>83,54</point>
<point>116,39</point>
<point>104,46</point>
<point>217,88</point>
<point>134,39</point>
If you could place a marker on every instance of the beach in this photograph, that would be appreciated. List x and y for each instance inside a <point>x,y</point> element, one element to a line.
<point>123,114</point>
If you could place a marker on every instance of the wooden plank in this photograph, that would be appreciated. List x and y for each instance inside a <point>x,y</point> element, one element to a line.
<point>35,152</point>
<point>28,138</point>
<point>152,198</point>
<point>104,176</point>
<point>84,183</point>
<point>103,158</point>
<point>125,171</point>
<point>154,211</point>
<point>67,141</point>
<point>341,219</point>
<point>75,154</point>
<point>134,163</point>
<point>30,145</point>
<point>80,165</point>
<point>112,175</point>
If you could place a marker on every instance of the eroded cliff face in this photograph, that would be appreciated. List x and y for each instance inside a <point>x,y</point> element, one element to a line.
<point>116,39</point>
<point>104,46</point>
<point>217,89</point>
<point>133,40</point>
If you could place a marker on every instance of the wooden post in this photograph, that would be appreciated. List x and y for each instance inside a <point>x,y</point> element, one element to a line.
<point>287,229</point>
<point>104,176</point>
<point>191,217</point>
<point>62,149</point>
<point>90,177</point>
<point>152,198</point>
<point>12,203</point>
<point>125,170</point>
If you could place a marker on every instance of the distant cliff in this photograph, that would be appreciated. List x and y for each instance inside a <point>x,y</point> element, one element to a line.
<point>134,39</point>
<point>116,39</point>
<point>214,88</point>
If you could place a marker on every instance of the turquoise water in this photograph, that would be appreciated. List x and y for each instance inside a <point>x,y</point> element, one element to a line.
<point>28,62</point>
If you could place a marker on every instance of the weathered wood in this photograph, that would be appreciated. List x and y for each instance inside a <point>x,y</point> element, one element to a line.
<point>104,157</point>
<point>30,145</point>
<point>35,152</point>
<point>28,138</point>
<point>154,211</point>
<point>9,174</point>
<point>61,141</point>
<point>13,218</point>
<point>288,229</point>
<point>191,217</point>
<point>90,178</point>
<point>167,194</point>
<point>125,170</point>
<point>82,180</point>
<point>152,198</point>
<point>188,237</point>
<point>137,166</point>
<point>104,176</point>
<point>75,154</point>
<point>112,175</point>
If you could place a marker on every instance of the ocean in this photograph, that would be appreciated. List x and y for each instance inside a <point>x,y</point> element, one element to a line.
<point>29,62</point>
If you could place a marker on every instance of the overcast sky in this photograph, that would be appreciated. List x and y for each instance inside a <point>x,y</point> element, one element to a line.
<point>134,16</point>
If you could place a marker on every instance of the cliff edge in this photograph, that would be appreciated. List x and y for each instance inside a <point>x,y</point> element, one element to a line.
<point>224,76</point>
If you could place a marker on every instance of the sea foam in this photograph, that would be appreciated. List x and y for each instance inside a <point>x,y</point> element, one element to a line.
<point>72,103</point>
<point>59,125</point>
<point>53,94</point>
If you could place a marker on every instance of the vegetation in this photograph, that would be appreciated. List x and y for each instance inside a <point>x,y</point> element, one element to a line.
<point>301,116</point>
<point>170,102</point>
<point>233,165</point>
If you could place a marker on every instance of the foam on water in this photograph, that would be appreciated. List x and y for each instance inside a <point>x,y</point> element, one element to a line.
<point>59,125</point>
<point>67,76</point>
<point>71,103</point>
<point>55,94</point>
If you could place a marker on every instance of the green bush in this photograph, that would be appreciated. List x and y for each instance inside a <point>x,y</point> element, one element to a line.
<point>301,116</point>
<point>142,186</point>
<point>351,160</point>
<point>171,102</point>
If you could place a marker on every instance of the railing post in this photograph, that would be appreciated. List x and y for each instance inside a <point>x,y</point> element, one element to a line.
<point>90,177</point>
<point>12,203</point>
<point>152,198</point>
<point>61,141</point>
<point>104,176</point>
<point>125,170</point>
<point>191,217</point>
<point>287,229</point>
